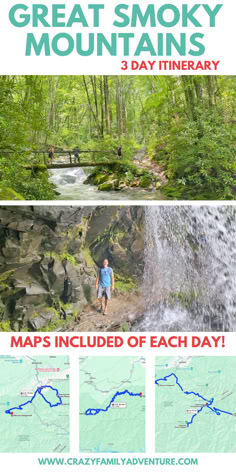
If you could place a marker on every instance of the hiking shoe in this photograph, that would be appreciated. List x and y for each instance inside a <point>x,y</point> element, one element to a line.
<point>101,309</point>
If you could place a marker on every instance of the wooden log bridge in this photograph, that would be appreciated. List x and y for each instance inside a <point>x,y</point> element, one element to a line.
<point>71,154</point>
<point>69,165</point>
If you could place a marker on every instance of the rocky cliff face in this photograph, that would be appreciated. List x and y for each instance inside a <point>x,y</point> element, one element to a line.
<point>49,258</point>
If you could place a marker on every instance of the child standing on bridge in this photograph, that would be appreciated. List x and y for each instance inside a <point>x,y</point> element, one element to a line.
<point>51,153</point>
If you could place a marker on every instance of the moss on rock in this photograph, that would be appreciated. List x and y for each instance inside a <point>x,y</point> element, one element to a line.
<point>62,256</point>
<point>88,259</point>
<point>123,174</point>
<point>101,178</point>
<point>9,194</point>
<point>6,275</point>
<point>106,186</point>
<point>5,326</point>
<point>123,284</point>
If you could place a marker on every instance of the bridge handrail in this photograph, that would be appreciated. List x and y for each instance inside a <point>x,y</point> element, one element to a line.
<point>55,152</point>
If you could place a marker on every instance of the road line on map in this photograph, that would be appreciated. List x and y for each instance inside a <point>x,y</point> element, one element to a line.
<point>215,410</point>
<point>89,411</point>
<point>38,391</point>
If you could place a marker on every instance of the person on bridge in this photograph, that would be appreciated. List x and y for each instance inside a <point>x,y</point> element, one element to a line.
<point>51,153</point>
<point>76,155</point>
<point>105,283</point>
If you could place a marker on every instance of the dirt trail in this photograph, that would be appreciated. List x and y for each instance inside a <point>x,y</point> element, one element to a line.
<point>123,310</point>
<point>142,162</point>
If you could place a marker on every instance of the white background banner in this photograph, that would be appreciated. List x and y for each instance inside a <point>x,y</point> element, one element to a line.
<point>218,41</point>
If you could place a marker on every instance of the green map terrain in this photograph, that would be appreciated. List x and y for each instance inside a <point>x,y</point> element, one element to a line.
<point>36,427</point>
<point>121,428</point>
<point>185,422</point>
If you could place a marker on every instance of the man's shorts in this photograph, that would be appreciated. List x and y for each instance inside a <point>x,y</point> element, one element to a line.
<point>104,292</point>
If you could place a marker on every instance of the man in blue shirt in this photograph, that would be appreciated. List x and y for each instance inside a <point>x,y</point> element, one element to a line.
<point>104,284</point>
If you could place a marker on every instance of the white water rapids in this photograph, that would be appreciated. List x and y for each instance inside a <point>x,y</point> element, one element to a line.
<point>70,186</point>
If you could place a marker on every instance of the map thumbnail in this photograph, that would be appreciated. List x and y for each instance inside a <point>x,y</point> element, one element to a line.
<point>34,404</point>
<point>195,404</point>
<point>112,404</point>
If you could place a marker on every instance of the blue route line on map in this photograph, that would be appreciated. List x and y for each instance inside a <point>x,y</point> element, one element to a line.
<point>208,404</point>
<point>95,411</point>
<point>38,391</point>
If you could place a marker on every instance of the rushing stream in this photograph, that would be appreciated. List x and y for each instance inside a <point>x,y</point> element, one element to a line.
<point>70,185</point>
<point>190,268</point>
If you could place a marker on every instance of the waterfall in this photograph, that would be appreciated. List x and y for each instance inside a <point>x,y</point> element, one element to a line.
<point>190,265</point>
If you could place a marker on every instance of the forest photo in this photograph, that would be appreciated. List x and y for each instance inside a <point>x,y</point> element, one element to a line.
<point>117,137</point>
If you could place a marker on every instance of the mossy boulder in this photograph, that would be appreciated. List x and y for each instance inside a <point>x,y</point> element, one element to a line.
<point>5,276</point>
<point>101,178</point>
<point>111,183</point>
<point>107,186</point>
<point>145,181</point>
<point>5,279</point>
<point>7,193</point>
